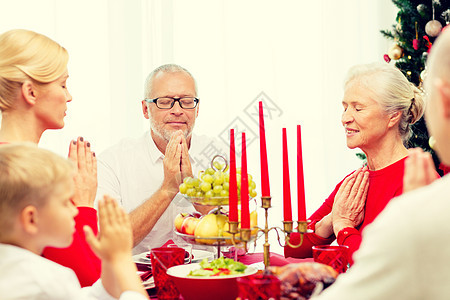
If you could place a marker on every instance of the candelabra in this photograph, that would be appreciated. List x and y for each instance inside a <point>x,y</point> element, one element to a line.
<point>245,234</point>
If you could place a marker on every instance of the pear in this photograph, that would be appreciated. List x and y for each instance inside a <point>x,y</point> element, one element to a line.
<point>210,226</point>
<point>254,222</point>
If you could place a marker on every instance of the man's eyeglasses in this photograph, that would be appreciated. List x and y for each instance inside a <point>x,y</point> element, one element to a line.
<point>169,102</point>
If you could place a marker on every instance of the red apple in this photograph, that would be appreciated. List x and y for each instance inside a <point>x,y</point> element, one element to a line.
<point>189,224</point>
<point>179,221</point>
<point>196,214</point>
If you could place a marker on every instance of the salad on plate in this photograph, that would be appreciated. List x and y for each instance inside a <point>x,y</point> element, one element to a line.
<point>219,267</point>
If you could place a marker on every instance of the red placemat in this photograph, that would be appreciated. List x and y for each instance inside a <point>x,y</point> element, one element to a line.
<point>275,259</point>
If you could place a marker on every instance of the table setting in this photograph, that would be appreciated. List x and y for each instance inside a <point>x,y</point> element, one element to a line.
<point>230,271</point>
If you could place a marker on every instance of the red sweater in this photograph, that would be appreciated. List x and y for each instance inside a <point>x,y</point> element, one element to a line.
<point>384,185</point>
<point>79,256</point>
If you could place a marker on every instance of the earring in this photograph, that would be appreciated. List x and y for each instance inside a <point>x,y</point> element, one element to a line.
<point>432,142</point>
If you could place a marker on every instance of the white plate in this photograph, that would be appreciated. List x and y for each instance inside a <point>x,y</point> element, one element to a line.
<point>258,266</point>
<point>199,255</point>
<point>142,258</point>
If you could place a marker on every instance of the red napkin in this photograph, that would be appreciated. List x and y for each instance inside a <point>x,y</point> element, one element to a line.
<point>146,275</point>
<point>168,243</point>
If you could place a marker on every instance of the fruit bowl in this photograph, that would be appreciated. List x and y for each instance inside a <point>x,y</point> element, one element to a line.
<point>210,229</point>
<point>205,288</point>
<point>215,241</point>
<point>213,201</point>
<point>212,186</point>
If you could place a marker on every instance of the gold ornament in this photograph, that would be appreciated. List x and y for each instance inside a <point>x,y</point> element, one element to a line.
<point>433,28</point>
<point>408,73</point>
<point>399,25</point>
<point>395,52</point>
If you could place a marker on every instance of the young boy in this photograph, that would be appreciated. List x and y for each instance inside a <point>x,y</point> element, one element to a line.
<point>36,211</point>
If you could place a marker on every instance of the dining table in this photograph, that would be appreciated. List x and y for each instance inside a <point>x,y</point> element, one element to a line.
<point>255,259</point>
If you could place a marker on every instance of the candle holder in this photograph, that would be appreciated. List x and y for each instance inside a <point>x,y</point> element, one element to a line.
<point>234,229</point>
<point>302,228</point>
<point>245,234</point>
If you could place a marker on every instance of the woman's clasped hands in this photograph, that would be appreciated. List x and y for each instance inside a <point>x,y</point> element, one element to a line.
<point>81,154</point>
<point>350,200</point>
<point>348,205</point>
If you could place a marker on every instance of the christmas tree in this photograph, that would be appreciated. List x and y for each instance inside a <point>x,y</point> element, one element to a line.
<point>418,25</point>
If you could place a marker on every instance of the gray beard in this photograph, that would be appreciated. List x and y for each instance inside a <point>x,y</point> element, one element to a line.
<point>167,134</point>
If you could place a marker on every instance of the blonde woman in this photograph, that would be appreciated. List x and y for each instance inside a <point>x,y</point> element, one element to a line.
<point>379,106</point>
<point>33,98</point>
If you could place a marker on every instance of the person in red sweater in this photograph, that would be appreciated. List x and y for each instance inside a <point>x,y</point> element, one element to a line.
<point>33,98</point>
<point>379,105</point>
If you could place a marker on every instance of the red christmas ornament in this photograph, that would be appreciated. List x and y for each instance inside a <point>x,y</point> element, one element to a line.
<point>387,58</point>
<point>428,44</point>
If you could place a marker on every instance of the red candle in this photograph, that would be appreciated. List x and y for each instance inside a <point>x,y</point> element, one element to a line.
<point>245,214</point>
<point>265,187</point>
<point>233,216</point>
<point>287,209</point>
<point>300,178</point>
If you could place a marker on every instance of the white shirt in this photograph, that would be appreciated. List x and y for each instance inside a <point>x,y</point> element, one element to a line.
<point>25,275</point>
<point>405,252</point>
<point>132,171</point>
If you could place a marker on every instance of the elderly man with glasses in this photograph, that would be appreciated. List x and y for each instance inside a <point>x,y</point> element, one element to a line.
<point>144,173</point>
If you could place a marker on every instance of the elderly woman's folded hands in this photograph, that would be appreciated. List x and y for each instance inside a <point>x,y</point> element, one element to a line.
<point>350,200</point>
<point>348,206</point>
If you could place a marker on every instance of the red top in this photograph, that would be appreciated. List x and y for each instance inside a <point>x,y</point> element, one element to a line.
<point>79,256</point>
<point>384,185</point>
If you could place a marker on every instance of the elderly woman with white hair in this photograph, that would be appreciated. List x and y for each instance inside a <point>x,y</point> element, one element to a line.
<point>379,105</point>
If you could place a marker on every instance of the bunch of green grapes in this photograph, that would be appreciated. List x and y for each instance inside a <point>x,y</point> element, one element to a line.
<point>214,183</point>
